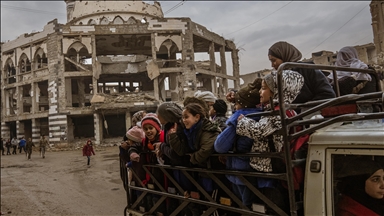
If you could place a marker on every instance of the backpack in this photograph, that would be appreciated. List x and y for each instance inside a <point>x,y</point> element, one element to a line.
<point>298,150</point>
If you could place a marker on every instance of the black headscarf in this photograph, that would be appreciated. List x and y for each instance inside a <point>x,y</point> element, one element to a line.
<point>285,51</point>
<point>353,185</point>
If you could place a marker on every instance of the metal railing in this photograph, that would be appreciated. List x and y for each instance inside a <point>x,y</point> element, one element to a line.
<point>212,204</point>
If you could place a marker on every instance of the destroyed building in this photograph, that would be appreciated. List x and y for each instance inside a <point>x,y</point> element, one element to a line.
<point>86,78</point>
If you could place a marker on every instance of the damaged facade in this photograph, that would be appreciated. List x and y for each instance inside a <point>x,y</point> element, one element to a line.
<point>86,78</point>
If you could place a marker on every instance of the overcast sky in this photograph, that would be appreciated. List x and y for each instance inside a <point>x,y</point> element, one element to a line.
<point>253,25</point>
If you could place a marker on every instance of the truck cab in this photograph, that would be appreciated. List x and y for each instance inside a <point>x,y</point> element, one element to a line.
<point>329,149</point>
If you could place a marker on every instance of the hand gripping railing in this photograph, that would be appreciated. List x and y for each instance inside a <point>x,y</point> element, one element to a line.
<point>287,123</point>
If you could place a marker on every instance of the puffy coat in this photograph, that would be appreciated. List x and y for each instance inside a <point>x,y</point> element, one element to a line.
<point>228,140</point>
<point>204,138</point>
<point>88,150</point>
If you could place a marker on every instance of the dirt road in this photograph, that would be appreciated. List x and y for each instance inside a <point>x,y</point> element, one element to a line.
<point>62,184</point>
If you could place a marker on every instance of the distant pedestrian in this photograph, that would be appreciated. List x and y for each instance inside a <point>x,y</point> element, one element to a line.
<point>14,145</point>
<point>29,146</point>
<point>43,144</point>
<point>88,151</point>
<point>8,145</point>
<point>22,143</point>
<point>2,146</point>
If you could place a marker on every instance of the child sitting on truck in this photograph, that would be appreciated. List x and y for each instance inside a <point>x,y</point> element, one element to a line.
<point>260,131</point>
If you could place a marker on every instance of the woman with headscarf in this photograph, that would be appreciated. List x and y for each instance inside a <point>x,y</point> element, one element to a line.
<point>353,82</point>
<point>362,188</point>
<point>316,85</point>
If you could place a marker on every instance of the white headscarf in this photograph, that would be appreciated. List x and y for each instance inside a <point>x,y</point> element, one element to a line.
<point>348,57</point>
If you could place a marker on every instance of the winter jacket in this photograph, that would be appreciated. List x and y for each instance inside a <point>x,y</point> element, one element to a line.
<point>267,125</point>
<point>14,142</point>
<point>146,157</point>
<point>220,121</point>
<point>349,207</point>
<point>202,146</point>
<point>316,86</point>
<point>228,140</point>
<point>43,142</point>
<point>22,143</point>
<point>29,145</point>
<point>88,150</point>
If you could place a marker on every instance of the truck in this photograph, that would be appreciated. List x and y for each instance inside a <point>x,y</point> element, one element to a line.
<point>350,126</point>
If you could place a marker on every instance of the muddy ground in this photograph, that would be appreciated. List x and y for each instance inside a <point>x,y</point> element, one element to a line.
<point>62,184</point>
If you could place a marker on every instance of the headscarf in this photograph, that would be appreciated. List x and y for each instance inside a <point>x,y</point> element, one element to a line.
<point>292,84</point>
<point>285,51</point>
<point>206,96</point>
<point>353,176</point>
<point>170,111</point>
<point>348,57</point>
<point>136,118</point>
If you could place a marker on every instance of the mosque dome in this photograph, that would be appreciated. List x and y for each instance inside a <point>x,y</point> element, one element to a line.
<point>105,11</point>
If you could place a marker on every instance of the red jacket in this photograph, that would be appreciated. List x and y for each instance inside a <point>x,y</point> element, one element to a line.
<point>88,150</point>
<point>349,207</point>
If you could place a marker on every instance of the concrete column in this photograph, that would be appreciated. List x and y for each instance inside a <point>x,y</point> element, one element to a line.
<point>98,128</point>
<point>173,87</point>
<point>94,66</point>
<point>5,131</point>
<point>35,130</point>
<point>68,92</point>
<point>34,101</point>
<point>19,129</point>
<point>236,68</point>
<point>224,82</point>
<point>156,90</point>
<point>20,109</point>
<point>213,66</point>
<point>70,129</point>
<point>188,78</point>
<point>128,120</point>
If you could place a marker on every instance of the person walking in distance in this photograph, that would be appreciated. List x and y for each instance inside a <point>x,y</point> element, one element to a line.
<point>22,143</point>
<point>2,146</point>
<point>43,143</point>
<point>29,146</point>
<point>14,145</point>
<point>8,145</point>
<point>88,150</point>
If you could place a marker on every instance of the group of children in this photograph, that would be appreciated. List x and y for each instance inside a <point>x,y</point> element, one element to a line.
<point>187,136</point>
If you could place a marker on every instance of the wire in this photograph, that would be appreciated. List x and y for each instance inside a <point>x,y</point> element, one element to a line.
<point>362,39</point>
<point>30,10</point>
<point>260,19</point>
<point>337,30</point>
<point>175,7</point>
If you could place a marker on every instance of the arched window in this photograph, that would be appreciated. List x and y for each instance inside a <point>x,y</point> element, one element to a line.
<point>118,20</point>
<point>24,64</point>
<point>92,22</point>
<point>104,21</point>
<point>41,60</point>
<point>131,20</point>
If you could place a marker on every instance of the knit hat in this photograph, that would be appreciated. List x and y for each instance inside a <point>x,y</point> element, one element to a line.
<point>206,96</point>
<point>135,134</point>
<point>249,97</point>
<point>170,111</point>
<point>220,106</point>
<point>137,117</point>
<point>151,119</point>
<point>268,79</point>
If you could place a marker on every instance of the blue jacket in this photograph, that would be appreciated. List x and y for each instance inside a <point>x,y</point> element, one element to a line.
<point>22,142</point>
<point>228,140</point>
